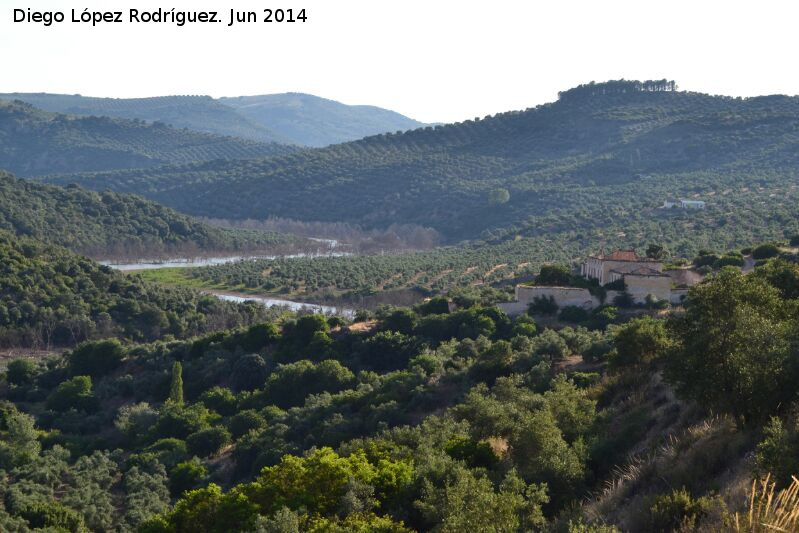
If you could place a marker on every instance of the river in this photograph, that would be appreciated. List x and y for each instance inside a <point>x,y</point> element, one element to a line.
<point>275,302</point>
<point>181,262</point>
<point>148,264</point>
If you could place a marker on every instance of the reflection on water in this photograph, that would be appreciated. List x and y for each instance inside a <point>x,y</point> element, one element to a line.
<point>294,306</point>
<point>149,264</point>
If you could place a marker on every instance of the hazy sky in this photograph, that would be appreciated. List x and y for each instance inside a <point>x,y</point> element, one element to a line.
<point>434,60</point>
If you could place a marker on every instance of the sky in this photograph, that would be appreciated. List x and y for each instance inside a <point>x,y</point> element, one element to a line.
<point>433,60</point>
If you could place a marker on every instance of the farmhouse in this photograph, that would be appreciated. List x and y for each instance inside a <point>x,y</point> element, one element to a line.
<point>643,279</point>
<point>692,204</point>
<point>684,204</point>
<point>599,267</point>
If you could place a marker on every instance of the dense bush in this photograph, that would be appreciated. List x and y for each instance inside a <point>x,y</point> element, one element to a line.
<point>766,251</point>
<point>574,314</point>
<point>75,393</point>
<point>676,510</point>
<point>207,441</point>
<point>186,476</point>
<point>734,347</point>
<point>554,275</point>
<point>96,358</point>
<point>543,305</point>
<point>21,371</point>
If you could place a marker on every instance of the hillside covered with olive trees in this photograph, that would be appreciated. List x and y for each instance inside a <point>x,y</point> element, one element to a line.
<point>111,225</point>
<point>51,298</point>
<point>36,142</point>
<point>608,153</point>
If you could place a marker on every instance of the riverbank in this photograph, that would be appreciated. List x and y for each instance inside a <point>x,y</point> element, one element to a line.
<point>279,302</point>
<point>182,277</point>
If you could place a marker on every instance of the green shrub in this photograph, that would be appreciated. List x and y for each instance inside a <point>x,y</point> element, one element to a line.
<point>574,314</point>
<point>187,475</point>
<point>249,372</point>
<point>400,320</point>
<point>260,336</point>
<point>554,276</point>
<point>525,326</point>
<point>75,393</point>
<point>706,259</point>
<point>290,384</point>
<point>169,452</point>
<point>585,379</point>
<point>676,510</point>
<point>207,441</point>
<point>543,305</point>
<point>21,371</point>
<point>624,300</point>
<point>219,399</point>
<point>54,515</point>
<point>245,421</point>
<point>728,260</point>
<point>597,351</point>
<point>794,241</point>
<point>434,306</point>
<point>550,345</point>
<point>96,358</point>
<point>778,453</point>
<point>475,454</point>
<point>179,421</point>
<point>639,342</point>
<point>766,251</point>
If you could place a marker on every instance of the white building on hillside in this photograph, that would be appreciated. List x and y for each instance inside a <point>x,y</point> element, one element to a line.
<point>692,204</point>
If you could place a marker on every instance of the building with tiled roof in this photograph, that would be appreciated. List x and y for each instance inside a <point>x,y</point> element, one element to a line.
<point>599,267</point>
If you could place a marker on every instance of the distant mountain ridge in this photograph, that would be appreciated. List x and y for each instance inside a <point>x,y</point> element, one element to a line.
<point>289,118</point>
<point>198,113</point>
<point>36,142</point>
<point>309,120</point>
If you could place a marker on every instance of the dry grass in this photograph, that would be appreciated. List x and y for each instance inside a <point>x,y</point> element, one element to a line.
<point>770,511</point>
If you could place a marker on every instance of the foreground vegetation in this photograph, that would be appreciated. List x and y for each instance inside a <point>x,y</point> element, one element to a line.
<point>423,419</point>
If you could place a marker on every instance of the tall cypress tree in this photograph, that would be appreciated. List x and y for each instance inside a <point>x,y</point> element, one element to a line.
<point>176,388</point>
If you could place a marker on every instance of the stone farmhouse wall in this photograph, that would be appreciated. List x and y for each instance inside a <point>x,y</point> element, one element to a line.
<point>640,287</point>
<point>571,296</point>
<point>563,296</point>
<point>677,296</point>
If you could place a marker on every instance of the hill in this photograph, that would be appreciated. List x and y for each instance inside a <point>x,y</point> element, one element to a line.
<point>111,225</point>
<point>50,297</point>
<point>35,142</point>
<point>594,166</point>
<point>309,120</point>
<point>198,113</point>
